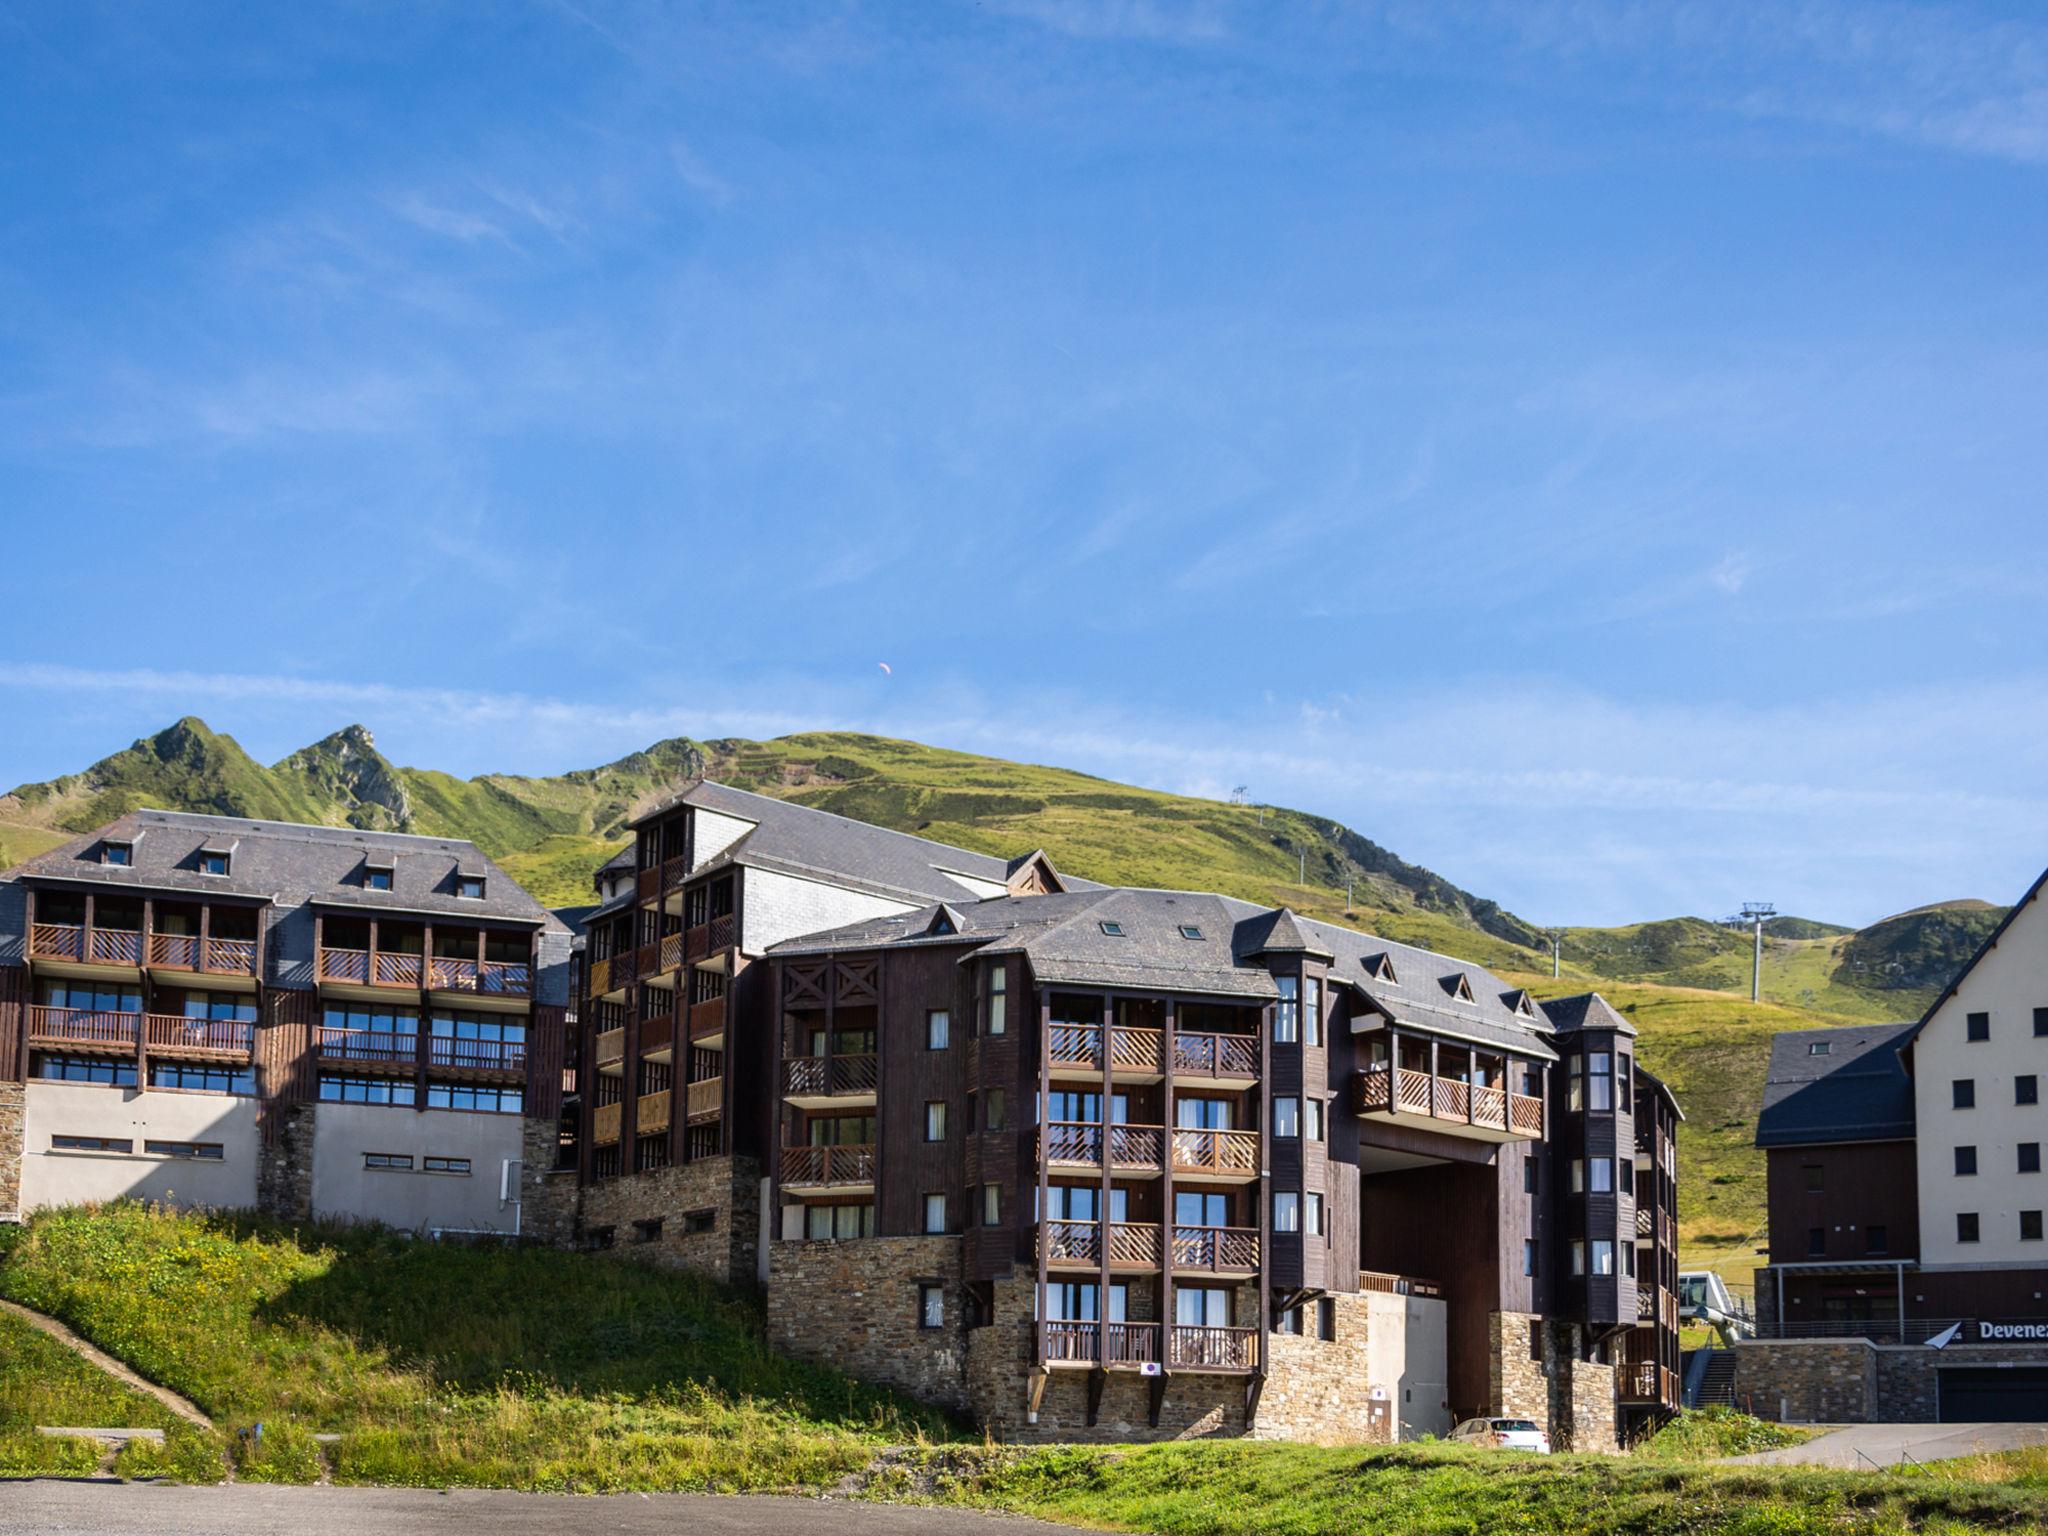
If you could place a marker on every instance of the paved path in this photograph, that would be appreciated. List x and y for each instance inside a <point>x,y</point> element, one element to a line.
<point>183,1407</point>
<point>1888,1444</point>
<point>49,1507</point>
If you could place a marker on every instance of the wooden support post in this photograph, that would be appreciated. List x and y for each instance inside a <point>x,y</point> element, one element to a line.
<point>1251,1406</point>
<point>1167,1215</point>
<point>1038,1300</point>
<point>1472,1085</point>
<point>421,1033</point>
<point>1102,1210</point>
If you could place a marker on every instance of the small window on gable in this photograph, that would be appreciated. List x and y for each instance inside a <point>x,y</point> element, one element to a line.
<point>1523,1006</point>
<point>470,887</point>
<point>1381,968</point>
<point>1977,1026</point>
<point>213,861</point>
<point>1459,987</point>
<point>117,853</point>
<point>1190,931</point>
<point>1114,930</point>
<point>376,877</point>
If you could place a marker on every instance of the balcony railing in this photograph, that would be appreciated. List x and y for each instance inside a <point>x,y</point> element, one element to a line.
<point>171,1032</point>
<point>79,1026</point>
<point>1127,1344</point>
<point>830,1076</point>
<point>1638,1382</point>
<point>1646,1304</point>
<point>604,1124</point>
<point>1407,1091</point>
<point>611,1047</point>
<point>1217,1248</point>
<point>1130,1146</point>
<point>365,1045</point>
<point>706,1097</point>
<point>1211,1349</point>
<point>724,933</point>
<point>132,947</point>
<point>1215,1055</point>
<point>707,1018</point>
<point>1073,1242</point>
<point>488,978</point>
<point>189,952</point>
<point>1130,1050</point>
<point>1234,1153</point>
<point>828,1165</point>
<point>476,1055</point>
<point>652,1113</point>
<point>372,968</point>
<point>669,952</point>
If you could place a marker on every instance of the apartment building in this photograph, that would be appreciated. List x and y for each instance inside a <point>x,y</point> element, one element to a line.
<point>314,1021</point>
<point>1908,1271</point>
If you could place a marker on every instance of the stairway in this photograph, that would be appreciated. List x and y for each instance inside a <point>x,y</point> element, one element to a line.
<point>1710,1378</point>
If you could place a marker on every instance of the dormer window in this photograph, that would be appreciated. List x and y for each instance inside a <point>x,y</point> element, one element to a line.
<point>1190,931</point>
<point>213,861</point>
<point>1381,968</point>
<point>1114,930</point>
<point>1459,987</point>
<point>1819,1047</point>
<point>469,887</point>
<point>377,877</point>
<point>122,854</point>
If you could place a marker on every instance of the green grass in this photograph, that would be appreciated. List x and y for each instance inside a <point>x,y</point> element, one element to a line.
<point>438,1364</point>
<point>42,1382</point>
<point>1707,1434</point>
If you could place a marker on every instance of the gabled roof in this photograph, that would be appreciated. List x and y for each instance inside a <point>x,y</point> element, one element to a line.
<point>1279,932</point>
<point>1585,1010</point>
<point>1989,944</point>
<point>1857,1089</point>
<point>1034,873</point>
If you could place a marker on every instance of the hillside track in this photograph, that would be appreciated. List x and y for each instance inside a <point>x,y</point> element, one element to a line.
<point>183,1407</point>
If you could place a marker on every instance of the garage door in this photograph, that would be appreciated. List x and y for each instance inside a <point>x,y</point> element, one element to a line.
<point>1990,1396</point>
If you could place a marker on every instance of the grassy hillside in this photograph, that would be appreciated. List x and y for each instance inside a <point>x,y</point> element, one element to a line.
<point>41,1382</point>
<point>439,1364</point>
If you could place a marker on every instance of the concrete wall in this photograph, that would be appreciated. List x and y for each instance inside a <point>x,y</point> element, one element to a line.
<point>780,906</point>
<point>85,1109</point>
<point>344,1188</point>
<point>1380,1378</point>
<point>2008,983</point>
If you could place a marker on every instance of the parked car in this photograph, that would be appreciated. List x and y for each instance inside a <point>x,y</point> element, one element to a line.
<point>1508,1434</point>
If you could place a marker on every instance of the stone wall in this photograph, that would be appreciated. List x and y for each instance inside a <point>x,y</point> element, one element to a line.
<point>547,1195</point>
<point>1906,1388</point>
<point>13,1120</point>
<point>724,1192</point>
<point>1321,1389</point>
<point>1807,1381</point>
<point>1517,1382</point>
<point>1582,1410</point>
<point>284,1165</point>
<point>855,1305</point>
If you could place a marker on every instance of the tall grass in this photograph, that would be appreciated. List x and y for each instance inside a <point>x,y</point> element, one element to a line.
<point>43,1383</point>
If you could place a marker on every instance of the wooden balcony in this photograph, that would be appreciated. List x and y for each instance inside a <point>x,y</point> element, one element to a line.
<point>132,949</point>
<point>706,1099</point>
<point>1078,1144</point>
<point>365,1047</point>
<point>1211,1349</point>
<point>482,978</point>
<point>836,1170</point>
<point>1119,1345</point>
<point>615,973</point>
<point>81,1027</point>
<point>1226,1058</point>
<point>221,1039</point>
<point>1216,1157</point>
<point>604,1124</point>
<point>372,968</point>
<point>824,1081</point>
<point>707,1018</point>
<point>668,954</point>
<point>652,1114</point>
<point>1645,1381</point>
<point>610,1049</point>
<point>476,1055</point>
<point>1136,1055</point>
<point>1221,1250</point>
<point>1406,1096</point>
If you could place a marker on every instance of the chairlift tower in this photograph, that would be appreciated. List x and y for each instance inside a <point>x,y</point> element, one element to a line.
<point>1556,937</point>
<point>1757,913</point>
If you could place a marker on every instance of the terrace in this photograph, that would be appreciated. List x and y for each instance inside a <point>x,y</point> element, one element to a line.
<point>1136,1345</point>
<point>138,936</point>
<point>1451,1088</point>
<point>469,963</point>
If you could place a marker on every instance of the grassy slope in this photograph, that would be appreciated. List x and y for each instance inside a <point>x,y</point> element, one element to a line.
<point>441,1364</point>
<point>41,1382</point>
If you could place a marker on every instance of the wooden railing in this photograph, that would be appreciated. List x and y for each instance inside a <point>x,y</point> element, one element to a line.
<point>1134,1243</point>
<point>824,1076</point>
<point>1067,1342</point>
<point>188,952</point>
<point>1073,1242</point>
<point>1130,1146</point>
<point>1407,1091</point>
<point>1231,1152</point>
<point>724,933</point>
<point>477,1055</point>
<point>56,941</point>
<point>828,1165</point>
<point>610,1047</point>
<point>1397,1285</point>
<point>652,1113</point>
<point>167,1032</point>
<point>494,978</point>
<point>669,953</point>
<point>1218,1248</point>
<point>1215,1055</point>
<point>706,1098</point>
<point>365,1045</point>
<point>379,968</point>
<point>79,1026</point>
<point>1130,1050</point>
<point>1646,1221</point>
<point>1525,1114</point>
<point>707,1017</point>
<point>1132,1344</point>
<point>1646,1304</point>
<point>604,1124</point>
<point>1645,1381</point>
<point>1214,1349</point>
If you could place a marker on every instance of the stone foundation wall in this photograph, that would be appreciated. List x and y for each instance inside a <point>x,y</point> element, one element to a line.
<point>1321,1389</point>
<point>548,1197</point>
<point>284,1163</point>
<point>1906,1390</point>
<point>1582,1409</point>
<point>1517,1382</point>
<point>13,1119</point>
<point>1808,1381</point>
<point>855,1305</point>
<point>727,1189</point>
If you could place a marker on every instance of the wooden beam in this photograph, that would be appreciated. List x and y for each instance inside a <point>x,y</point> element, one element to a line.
<point>1038,1300</point>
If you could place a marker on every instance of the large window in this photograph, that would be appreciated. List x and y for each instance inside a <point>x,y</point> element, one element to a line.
<point>92,997</point>
<point>1201,1306</point>
<point>1287,1017</point>
<point>335,1088</point>
<point>380,1030</point>
<point>1286,1211</point>
<point>841,1131</point>
<point>998,1000</point>
<point>838,1222</point>
<point>108,1070</point>
<point>1312,1014</point>
<point>230,1007</point>
<point>190,1151</point>
<point>477,1026</point>
<point>1602,1256</point>
<point>487,1098</point>
<point>204,1077</point>
<point>1599,1080</point>
<point>1287,1118</point>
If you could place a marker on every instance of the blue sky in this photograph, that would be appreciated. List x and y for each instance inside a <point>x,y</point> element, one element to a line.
<point>1594,449</point>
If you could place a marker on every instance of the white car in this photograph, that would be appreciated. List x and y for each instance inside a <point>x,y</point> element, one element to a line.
<point>1508,1434</point>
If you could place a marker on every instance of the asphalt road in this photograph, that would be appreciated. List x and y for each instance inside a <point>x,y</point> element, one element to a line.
<point>49,1507</point>
<point>1887,1445</point>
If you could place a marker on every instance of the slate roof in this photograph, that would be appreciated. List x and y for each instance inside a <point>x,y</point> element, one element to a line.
<point>1585,1010</point>
<point>289,863</point>
<point>1858,1091</point>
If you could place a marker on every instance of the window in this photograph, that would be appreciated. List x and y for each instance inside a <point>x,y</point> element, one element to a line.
<point>1628,1260</point>
<point>1602,1256</point>
<point>1529,1256</point>
<point>391,1161</point>
<point>1966,1226</point>
<point>202,1077</point>
<point>1624,1076</point>
<point>376,877</point>
<point>1114,930</point>
<point>1578,1181</point>
<point>90,1144</point>
<point>1820,1048</point>
<point>935,1120</point>
<point>1963,1093</point>
<point>2040,1023</point>
<point>1287,1017</point>
<point>1626,1167</point>
<point>2026,1089</point>
<point>1577,1078</point>
<point>931,1306</point>
<point>1816,1242</point>
<point>1816,1178</point>
<point>695,1223</point>
<point>1977,1026</point>
<point>212,862</point>
<point>1326,1319</point>
<point>1287,1118</point>
<point>122,854</point>
<point>838,1223</point>
<point>1190,931</point>
<point>1875,1240</point>
<point>998,1107</point>
<point>1312,1118</point>
<point>1289,1321</point>
<point>1599,1080</point>
<point>195,1151</point>
<point>998,1000</point>
<point>91,996</point>
<point>86,1069</point>
<point>1578,1257</point>
<point>1528,1175</point>
<point>938,1029</point>
<point>337,1089</point>
<point>1312,1214</point>
<point>470,887</point>
<point>2030,1157</point>
<point>2030,1226</point>
<point>1966,1161</point>
<point>1286,1211</point>
<point>1312,1014</point>
<point>486,1098</point>
<point>647,1229</point>
<point>934,1213</point>
<point>444,1165</point>
<point>1601,1171</point>
<point>1201,1306</point>
<point>991,1205</point>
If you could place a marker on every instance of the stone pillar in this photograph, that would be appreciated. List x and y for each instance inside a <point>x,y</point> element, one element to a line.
<point>547,1195</point>
<point>284,1177</point>
<point>1516,1383</point>
<point>13,1114</point>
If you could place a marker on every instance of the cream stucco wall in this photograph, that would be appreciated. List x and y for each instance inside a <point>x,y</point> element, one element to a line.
<point>1407,1356</point>
<point>716,833</point>
<point>85,1109</point>
<point>780,906</point>
<point>2009,983</point>
<point>414,1200</point>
